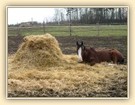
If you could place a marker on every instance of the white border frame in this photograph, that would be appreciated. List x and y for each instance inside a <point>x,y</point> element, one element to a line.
<point>27,98</point>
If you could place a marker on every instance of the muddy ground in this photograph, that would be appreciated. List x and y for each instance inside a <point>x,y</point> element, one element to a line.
<point>68,44</point>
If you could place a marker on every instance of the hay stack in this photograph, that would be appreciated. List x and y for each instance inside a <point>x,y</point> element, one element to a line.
<point>39,51</point>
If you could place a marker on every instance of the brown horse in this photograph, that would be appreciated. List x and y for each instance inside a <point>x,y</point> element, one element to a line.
<point>93,56</point>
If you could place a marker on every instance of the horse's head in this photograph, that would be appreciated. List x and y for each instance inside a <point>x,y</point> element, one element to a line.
<point>80,48</point>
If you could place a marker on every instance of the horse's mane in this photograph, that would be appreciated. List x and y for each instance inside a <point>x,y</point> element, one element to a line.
<point>93,49</point>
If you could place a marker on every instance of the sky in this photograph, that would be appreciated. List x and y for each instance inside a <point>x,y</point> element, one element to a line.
<point>18,15</point>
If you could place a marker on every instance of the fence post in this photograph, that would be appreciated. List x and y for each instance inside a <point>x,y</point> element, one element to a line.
<point>98,29</point>
<point>44,27</point>
<point>70,31</point>
<point>18,30</point>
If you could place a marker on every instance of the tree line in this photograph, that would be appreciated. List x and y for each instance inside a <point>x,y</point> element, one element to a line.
<point>91,16</point>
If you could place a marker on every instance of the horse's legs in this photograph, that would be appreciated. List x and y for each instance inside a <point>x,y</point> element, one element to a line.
<point>115,60</point>
<point>92,61</point>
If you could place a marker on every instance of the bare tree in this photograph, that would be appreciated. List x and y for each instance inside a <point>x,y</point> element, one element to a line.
<point>57,16</point>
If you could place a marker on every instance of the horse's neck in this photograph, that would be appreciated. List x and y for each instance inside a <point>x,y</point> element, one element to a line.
<point>85,50</point>
<point>92,49</point>
<point>88,51</point>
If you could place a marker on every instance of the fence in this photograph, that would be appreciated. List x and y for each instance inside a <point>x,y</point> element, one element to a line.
<point>89,30</point>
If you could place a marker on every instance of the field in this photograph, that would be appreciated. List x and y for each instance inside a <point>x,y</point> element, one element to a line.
<point>92,30</point>
<point>69,78</point>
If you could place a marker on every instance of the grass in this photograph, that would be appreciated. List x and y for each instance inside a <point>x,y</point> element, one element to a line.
<point>92,30</point>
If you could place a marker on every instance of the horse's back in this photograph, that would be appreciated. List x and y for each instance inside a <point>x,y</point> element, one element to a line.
<point>104,55</point>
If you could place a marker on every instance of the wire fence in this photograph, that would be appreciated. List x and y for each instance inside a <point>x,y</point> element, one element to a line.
<point>87,30</point>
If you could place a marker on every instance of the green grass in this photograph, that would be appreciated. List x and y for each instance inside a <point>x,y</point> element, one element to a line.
<point>92,30</point>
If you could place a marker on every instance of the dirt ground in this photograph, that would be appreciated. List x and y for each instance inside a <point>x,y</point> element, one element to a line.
<point>68,44</point>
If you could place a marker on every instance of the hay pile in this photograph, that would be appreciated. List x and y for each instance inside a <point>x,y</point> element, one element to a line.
<point>39,51</point>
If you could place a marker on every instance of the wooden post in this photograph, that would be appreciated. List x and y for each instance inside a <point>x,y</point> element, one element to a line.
<point>18,30</point>
<point>44,27</point>
<point>98,29</point>
<point>70,31</point>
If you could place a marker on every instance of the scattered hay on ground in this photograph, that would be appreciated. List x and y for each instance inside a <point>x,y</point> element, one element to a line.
<point>38,71</point>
